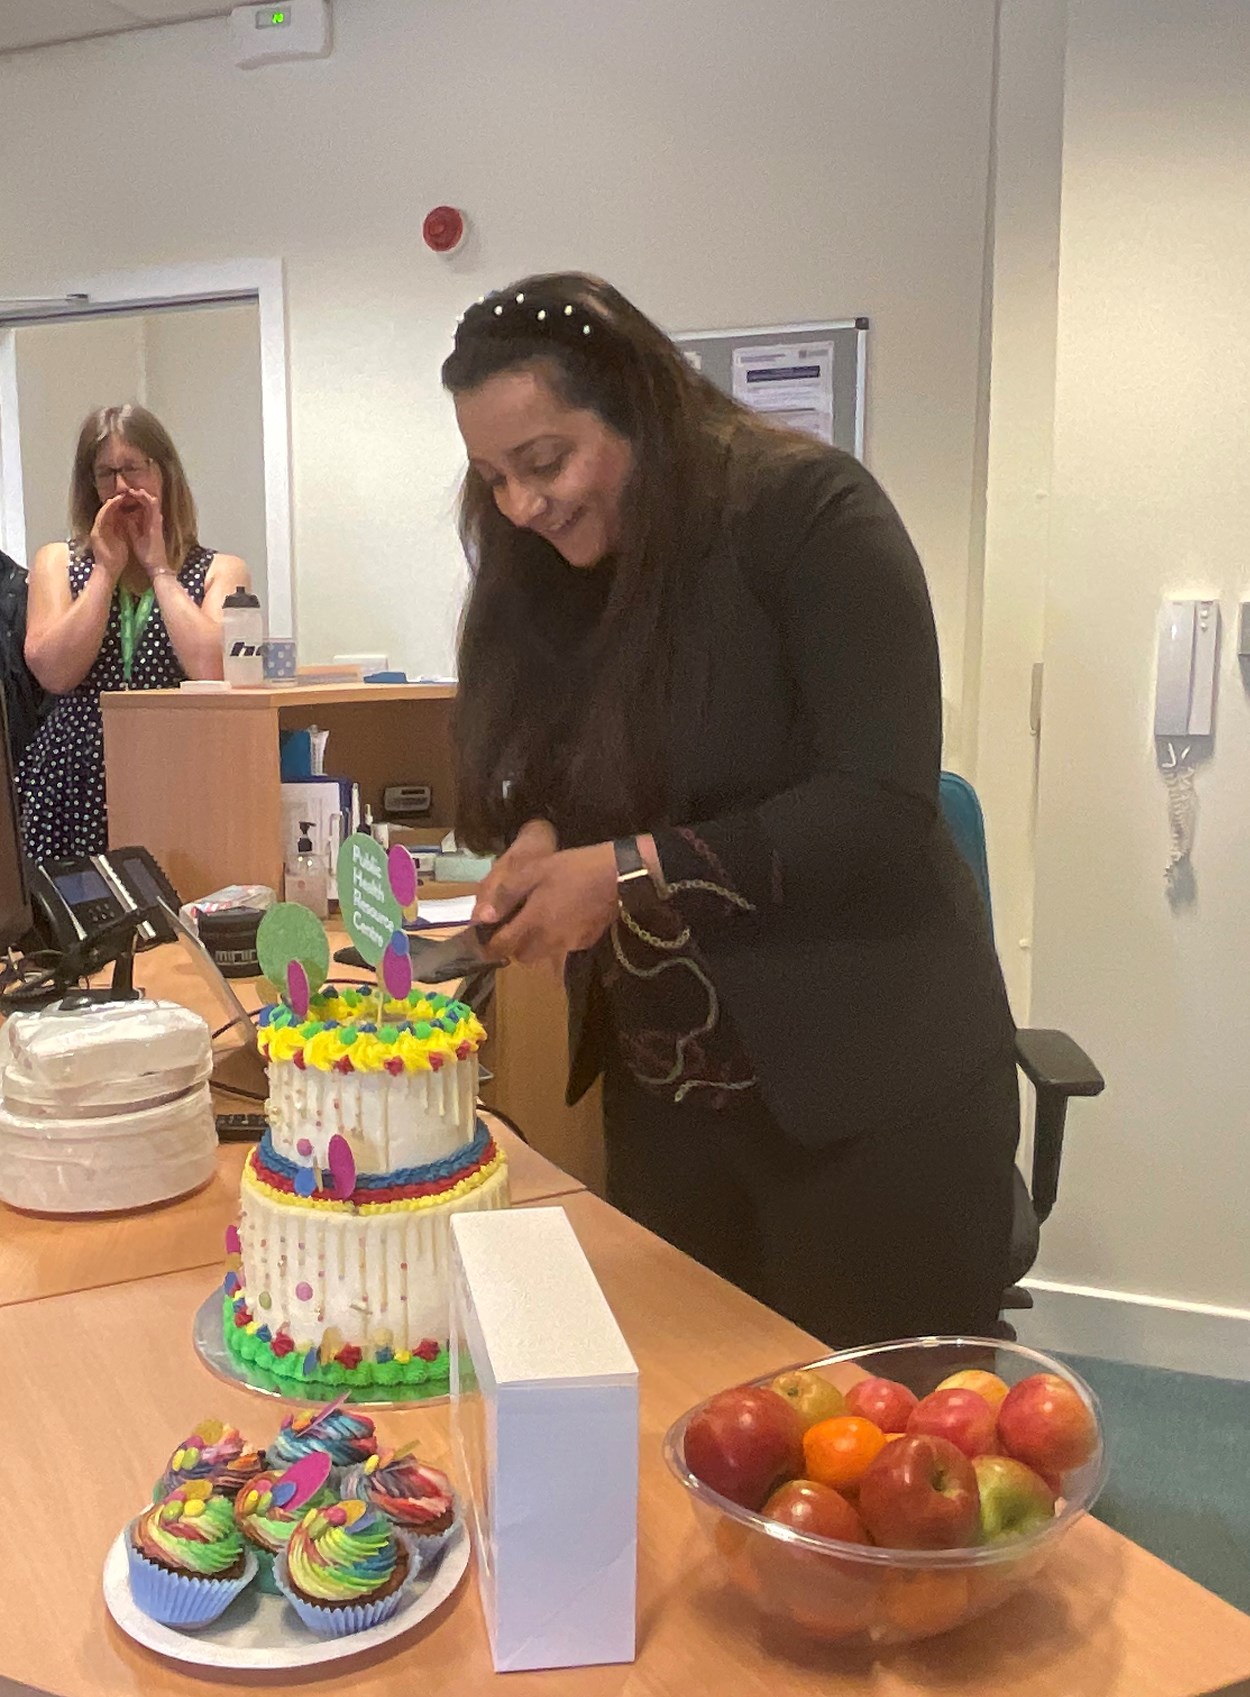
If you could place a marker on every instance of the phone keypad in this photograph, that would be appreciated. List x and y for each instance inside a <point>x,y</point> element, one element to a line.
<point>92,915</point>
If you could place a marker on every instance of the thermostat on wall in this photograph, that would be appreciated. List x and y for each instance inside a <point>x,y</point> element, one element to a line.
<point>266,35</point>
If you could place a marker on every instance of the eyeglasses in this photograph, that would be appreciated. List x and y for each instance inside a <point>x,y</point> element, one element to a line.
<point>106,475</point>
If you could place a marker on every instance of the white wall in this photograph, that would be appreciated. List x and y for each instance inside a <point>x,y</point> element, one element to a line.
<point>64,371</point>
<point>1151,498</point>
<point>765,161</point>
<point>203,383</point>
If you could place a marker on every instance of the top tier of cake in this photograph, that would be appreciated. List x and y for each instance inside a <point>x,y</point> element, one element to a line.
<point>398,1081</point>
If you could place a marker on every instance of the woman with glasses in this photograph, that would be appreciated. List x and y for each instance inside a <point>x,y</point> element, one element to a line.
<point>131,601</point>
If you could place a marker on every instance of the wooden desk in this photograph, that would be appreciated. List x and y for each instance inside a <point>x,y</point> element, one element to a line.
<point>100,1386</point>
<point>42,1255</point>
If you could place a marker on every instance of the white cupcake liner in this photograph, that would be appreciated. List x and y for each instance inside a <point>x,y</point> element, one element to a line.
<point>178,1599</point>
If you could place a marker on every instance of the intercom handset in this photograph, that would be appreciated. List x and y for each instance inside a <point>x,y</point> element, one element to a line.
<point>1189,648</point>
<point>1185,683</point>
<point>77,896</point>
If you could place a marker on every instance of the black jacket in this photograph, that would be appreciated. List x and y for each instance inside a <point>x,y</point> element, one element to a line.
<point>24,699</point>
<point>805,753</point>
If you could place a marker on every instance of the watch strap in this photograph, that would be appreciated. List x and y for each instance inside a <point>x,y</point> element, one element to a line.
<point>634,883</point>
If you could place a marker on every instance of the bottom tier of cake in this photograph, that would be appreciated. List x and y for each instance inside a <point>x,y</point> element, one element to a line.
<point>327,1293</point>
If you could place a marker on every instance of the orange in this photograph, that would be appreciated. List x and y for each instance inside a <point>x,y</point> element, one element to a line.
<point>920,1604</point>
<point>839,1452</point>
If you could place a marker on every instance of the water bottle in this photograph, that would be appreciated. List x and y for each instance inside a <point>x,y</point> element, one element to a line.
<point>242,633</point>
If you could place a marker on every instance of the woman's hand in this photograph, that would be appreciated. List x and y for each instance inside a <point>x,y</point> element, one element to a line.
<point>566,901</point>
<point>110,537</point>
<point>146,525</point>
<point>535,841</point>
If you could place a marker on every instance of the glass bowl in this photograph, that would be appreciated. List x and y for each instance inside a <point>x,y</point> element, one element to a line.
<point>867,1595</point>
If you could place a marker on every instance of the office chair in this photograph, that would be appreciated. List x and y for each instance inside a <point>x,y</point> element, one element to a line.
<point>1056,1066</point>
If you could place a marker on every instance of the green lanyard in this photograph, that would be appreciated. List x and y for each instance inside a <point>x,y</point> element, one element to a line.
<point>132,616</point>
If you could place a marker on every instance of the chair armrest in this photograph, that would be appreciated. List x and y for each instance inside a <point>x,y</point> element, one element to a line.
<point>1051,1060</point>
<point>1058,1069</point>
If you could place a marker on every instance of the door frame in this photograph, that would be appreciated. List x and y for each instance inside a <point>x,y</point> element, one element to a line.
<point>117,292</point>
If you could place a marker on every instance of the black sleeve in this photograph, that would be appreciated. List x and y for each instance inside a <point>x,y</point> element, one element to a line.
<point>859,648</point>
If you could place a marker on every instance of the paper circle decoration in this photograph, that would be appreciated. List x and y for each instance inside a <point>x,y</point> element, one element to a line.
<point>397,967</point>
<point>403,872</point>
<point>290,932</point>
<point>297,989</point>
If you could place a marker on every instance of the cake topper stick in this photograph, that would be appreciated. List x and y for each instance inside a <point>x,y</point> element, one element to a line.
<point>329,1409</point>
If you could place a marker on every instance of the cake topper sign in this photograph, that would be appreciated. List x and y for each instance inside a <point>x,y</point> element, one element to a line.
<point>370,910</point>
<point>290,935</point>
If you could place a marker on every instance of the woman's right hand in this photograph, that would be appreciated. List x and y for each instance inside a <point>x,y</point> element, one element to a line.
<point>535,841</point>
<point>110,538</point>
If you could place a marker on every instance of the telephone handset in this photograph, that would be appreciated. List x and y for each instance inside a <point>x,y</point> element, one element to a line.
<point>78,896</point>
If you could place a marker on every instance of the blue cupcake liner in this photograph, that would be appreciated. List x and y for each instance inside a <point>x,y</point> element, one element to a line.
<point>351,1617</point>
<point>265,1559</point>
<point>179,1599</point>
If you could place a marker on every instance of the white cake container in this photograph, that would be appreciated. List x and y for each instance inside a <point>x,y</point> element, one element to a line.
<point>104,1108</point>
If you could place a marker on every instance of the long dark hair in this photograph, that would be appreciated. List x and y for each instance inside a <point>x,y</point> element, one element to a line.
<point>566,674</point>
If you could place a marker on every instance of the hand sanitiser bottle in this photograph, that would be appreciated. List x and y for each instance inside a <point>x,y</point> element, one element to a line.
<point>307,880</point>
<point>242,633</point>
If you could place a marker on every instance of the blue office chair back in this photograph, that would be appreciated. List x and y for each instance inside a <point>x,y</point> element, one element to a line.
<point>962,812</point>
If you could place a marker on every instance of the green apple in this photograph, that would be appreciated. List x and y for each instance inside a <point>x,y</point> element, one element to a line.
<point>1014,1500</point>
<point>812,1397</point>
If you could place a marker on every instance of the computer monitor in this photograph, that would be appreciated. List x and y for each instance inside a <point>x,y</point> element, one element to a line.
<point>15,916</point>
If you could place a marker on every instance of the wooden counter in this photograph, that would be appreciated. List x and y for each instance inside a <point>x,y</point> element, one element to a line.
<point>100,1386</point>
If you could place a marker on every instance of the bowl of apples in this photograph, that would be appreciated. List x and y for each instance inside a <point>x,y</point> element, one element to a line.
<point>889,1493</point>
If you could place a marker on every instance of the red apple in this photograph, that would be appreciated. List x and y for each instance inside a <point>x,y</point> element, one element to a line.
<point>1014,1501</point>
<point>818,1592</point>
<point>883,1401</point>
<point>961,1417</point>
<point>743,1442</point>
<point>813,1397</point>
<point>1047,1424</point>
<point>818,1509</point>
<point>921,1494</point>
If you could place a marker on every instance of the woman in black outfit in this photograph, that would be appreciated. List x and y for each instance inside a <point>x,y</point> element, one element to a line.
<point>699,713</point>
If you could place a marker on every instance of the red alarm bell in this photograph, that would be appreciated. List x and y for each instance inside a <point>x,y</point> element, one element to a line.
<point>443,229</point>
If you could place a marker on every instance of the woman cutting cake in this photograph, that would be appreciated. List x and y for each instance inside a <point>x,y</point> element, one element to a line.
<point>699,720</point>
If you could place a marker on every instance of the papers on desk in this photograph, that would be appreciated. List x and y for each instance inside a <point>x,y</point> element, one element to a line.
<point>446,910</point>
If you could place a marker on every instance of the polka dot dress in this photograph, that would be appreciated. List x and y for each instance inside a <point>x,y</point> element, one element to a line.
<point>61,781</point>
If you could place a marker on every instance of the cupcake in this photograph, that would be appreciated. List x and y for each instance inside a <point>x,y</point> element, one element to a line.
<point>215,1452</point>
<point>416,1498</point>
<point>348,1439</point>
<point>343,1568</point>
<point>266,1525</point>
<point>187,1557</point>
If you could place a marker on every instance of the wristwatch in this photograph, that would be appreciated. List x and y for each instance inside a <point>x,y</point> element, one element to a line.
<point>635,886</point>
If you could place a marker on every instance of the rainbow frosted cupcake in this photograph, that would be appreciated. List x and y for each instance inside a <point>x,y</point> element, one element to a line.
<point>187,1558</point>
<point>343,1569</point>
<point>266,1526</point>
<point>215,1452</point>
<point>416,1498</point>
<point>348,1439</point>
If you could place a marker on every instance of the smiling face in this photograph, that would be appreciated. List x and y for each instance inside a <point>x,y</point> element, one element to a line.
<point>554,469</point>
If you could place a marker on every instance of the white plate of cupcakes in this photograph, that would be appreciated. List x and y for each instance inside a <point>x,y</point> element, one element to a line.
<point>319,1548</point>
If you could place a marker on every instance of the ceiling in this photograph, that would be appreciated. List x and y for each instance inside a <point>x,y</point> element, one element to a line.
<point>35,23</point>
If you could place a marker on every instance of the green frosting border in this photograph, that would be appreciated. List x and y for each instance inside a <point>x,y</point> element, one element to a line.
<point>415,1378</point>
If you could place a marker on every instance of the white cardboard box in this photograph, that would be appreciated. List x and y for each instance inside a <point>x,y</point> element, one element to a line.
<point>545,1429</point>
